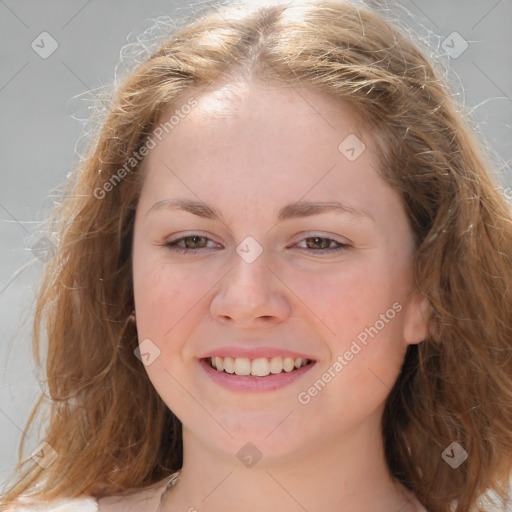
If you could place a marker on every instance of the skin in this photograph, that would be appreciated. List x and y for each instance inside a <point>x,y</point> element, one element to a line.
<point>248,150</point>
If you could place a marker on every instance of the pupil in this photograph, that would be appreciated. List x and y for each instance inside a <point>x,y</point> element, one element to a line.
<point>195,239</point>
<point>323,242</point>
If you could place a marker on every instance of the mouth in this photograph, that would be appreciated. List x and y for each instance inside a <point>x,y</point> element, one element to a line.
<point>258,367</point>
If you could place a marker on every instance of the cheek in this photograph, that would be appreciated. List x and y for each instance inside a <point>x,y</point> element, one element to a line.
<point>167,301</point>
<point>350,298</point>
<point>359,315</point>
<point>164,297</point>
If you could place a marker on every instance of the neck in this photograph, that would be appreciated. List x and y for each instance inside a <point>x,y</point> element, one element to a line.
<point>338,475</point>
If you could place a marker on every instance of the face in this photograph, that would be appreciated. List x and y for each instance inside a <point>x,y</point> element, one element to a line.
<point>263,234</point>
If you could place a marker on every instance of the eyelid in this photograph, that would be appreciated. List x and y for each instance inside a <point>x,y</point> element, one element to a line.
<point>182,236</point>
<point>342,241</point>
<point>322,234</point>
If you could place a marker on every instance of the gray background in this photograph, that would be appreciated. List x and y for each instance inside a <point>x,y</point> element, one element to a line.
<point>43,108</point>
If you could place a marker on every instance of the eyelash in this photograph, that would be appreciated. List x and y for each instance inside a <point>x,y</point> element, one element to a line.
<point>172,245</point>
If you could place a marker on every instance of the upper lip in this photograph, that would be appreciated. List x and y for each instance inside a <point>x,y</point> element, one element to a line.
<point>254,353</point>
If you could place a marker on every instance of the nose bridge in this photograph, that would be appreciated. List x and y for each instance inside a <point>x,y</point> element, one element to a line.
<point>250,290</point>
<point>250,269</point>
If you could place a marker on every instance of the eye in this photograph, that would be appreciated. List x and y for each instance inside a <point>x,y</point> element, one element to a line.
<point>318,244</point>
<point>195,242</point>
<point>188,243</point>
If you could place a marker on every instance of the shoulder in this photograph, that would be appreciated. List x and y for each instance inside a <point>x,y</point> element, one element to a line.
<point>145,500</point>
<point>141,501</point>
<point>64,505</point>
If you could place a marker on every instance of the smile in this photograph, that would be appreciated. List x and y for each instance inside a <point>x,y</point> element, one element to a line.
<point>243,374</point>
<point>259,367</point>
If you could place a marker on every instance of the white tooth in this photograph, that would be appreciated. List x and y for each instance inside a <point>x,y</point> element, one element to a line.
<point>260,367</point>
<point>242,366</point>
<point>288,364</point>
<point>276,365</point>
<point>229,366</point>
<point>305,362</point>
<point>298,362</point>
<point>219,363</point>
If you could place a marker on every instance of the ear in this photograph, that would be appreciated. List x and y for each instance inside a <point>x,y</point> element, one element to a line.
<point>416,316</point>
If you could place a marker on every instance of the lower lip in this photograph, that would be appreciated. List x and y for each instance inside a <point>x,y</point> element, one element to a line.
<point>251,382</point>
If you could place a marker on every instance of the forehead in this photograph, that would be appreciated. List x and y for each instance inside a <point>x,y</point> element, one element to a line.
<point>254,144</point>
<point>257,124</point>
<point>255,100</point>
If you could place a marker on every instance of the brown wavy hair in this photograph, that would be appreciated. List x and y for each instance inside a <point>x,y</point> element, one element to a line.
<point>112,431</point>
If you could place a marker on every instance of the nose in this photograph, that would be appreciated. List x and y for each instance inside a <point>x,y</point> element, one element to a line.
<point>251,295</point>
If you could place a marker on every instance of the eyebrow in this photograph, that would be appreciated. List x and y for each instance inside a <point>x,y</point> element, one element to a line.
<point>290,211</point>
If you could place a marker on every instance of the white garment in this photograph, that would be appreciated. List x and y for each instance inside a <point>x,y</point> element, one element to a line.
<point>64,505</point>
<point>88,504</point>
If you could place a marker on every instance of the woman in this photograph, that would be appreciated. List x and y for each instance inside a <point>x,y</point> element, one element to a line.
<point>283,283</point>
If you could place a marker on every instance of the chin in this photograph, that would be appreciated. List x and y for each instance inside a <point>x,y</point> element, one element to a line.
<point>270,441</point>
